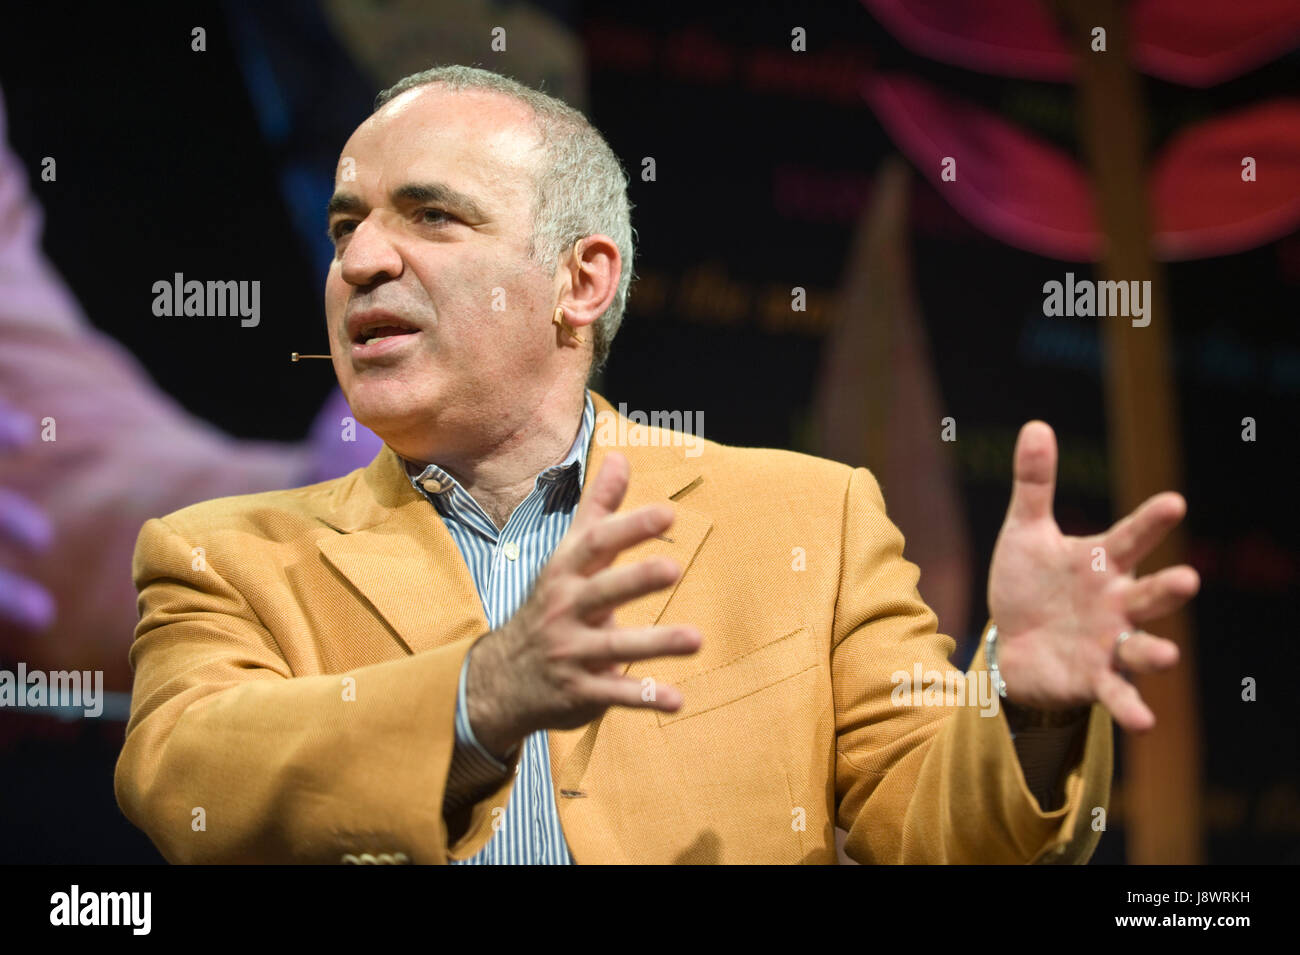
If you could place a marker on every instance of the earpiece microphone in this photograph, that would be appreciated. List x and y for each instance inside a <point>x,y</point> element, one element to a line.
<point>294,356</point>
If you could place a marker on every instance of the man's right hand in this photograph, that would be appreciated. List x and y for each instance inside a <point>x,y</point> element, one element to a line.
<point>557,664</point>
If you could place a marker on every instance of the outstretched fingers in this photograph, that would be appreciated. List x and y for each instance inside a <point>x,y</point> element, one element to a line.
<point>610,690</point>
<point>1137,535</point>
<point>1124,702</point>
<point>1157,595</point>
<point>1143,652</point>
<point>597,545</point>
<point>614,586</point>
<point>613,648</point>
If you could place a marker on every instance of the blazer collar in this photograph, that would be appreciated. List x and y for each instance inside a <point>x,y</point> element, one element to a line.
<point>393,547</point>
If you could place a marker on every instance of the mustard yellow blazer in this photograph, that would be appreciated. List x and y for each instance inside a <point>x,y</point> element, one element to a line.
<point>298,652</point>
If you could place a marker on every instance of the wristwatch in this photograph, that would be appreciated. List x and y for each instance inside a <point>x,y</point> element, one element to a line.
<point>1019,716</point>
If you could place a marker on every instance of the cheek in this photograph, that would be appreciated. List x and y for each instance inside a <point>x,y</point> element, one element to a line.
<point>515,336</point>
<point>490,308</point>
<point>530,307</point>
<point>335,296</point>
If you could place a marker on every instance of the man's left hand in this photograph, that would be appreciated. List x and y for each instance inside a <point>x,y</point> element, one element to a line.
<point>1060,603</point>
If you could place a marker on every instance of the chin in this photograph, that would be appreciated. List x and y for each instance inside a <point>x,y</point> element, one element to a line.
<point>389,409</point>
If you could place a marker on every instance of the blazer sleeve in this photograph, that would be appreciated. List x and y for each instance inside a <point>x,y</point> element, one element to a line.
<point>934,783</point>
<point>230,758</point>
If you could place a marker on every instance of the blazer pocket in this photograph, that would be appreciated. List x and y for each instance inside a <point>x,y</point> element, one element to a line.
<point>772,663</point>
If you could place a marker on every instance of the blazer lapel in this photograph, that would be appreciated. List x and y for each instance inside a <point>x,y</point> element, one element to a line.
<point>656,475</point>
<point>400,557</point>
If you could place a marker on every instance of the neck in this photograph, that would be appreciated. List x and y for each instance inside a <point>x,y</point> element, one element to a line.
<point>501,476</point>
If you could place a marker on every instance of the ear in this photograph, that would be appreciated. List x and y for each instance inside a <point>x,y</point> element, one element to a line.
<point>588,279</point>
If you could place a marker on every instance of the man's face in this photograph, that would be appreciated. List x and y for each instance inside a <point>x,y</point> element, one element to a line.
<point>431,220</point>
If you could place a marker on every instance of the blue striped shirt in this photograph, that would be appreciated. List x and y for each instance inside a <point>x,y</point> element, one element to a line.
<point>503,565</point>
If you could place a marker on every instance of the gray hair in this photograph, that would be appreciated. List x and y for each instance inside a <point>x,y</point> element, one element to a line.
<point>580,188</point>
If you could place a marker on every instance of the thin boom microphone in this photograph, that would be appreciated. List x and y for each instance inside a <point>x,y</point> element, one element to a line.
<point>294,356</point>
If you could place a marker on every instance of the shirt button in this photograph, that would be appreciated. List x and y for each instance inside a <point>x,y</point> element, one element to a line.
<point>512,550</point>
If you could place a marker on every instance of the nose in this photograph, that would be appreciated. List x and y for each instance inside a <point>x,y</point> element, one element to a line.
<point>369,255</point>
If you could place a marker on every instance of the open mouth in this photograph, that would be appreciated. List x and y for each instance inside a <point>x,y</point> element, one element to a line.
<point>378,330</point>
<point>370,336</point>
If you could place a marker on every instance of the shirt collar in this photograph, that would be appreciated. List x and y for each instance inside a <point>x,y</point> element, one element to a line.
<point>435,480</point>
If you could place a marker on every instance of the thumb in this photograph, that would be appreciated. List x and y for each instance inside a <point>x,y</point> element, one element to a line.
<point>1034,483</point>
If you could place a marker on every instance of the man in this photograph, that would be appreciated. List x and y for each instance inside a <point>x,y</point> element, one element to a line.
<point>447,656</point>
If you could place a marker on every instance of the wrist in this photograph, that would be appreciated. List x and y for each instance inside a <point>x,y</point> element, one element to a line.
<point>488,718</point>
<point>1022,715</point>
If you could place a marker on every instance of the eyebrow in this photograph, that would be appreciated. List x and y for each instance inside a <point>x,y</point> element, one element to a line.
<point>415,192</point>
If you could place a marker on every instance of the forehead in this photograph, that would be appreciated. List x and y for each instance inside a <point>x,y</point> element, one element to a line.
<point>474,140</point>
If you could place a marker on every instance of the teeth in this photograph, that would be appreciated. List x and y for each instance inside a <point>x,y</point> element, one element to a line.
<point>392,330</point>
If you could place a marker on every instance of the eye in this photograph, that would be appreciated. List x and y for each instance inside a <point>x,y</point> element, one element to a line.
<point>439,216</point>
<point>341,228</point>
